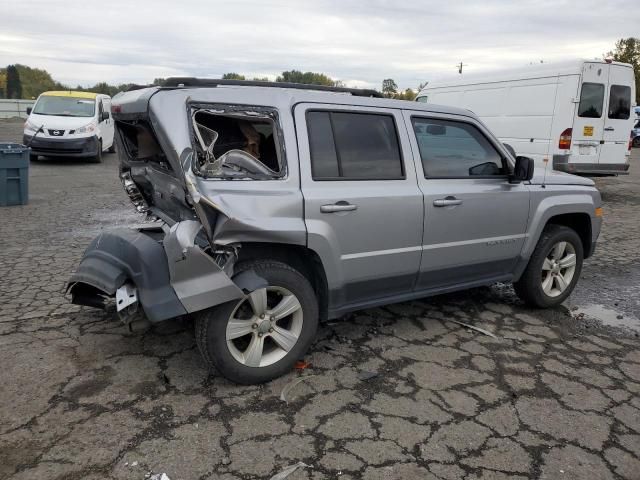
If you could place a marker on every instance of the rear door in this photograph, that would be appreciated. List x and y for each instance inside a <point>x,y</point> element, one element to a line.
<point>618,120</point>
<point>363,207</point>
<point>588,125</point>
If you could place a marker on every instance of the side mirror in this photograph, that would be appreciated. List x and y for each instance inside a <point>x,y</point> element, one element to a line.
<point>104,116</point>
<point>29,110</point>
<point>523,170</point>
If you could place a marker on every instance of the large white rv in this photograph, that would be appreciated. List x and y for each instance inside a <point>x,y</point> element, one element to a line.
<point>574,117</point>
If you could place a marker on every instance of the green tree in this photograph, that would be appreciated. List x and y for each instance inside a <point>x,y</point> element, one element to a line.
<point>159,81</point>
<point>308,78</point>
<point>14,87</point>
<point>627,50</point>
<point>389,88</point>
<point>3,82</point>
<point>233,76</point>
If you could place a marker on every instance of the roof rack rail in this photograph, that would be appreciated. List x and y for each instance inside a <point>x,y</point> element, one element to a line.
<point>214,82</point>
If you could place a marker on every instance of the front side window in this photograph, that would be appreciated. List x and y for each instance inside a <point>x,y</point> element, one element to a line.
<point>455,149</point>
<point>65,106</point>
<point>353,146</point>
<point>591,98</point>
<point>619,102</point>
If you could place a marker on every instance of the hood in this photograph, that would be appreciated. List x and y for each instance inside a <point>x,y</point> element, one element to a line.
<point>553,177</point>
<point>59,123</point>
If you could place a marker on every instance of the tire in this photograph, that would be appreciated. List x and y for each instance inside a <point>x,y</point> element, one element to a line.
<point>33,158</point>
<point>112,148</point>
<point>531,286</point>
<point>98,157</point>
<point>231,357</point>
<point>636,142</point>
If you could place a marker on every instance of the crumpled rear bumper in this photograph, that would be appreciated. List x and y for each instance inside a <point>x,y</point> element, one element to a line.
<point>172,275</point>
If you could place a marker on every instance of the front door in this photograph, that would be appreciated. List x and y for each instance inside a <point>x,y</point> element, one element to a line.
<point>475,220</point>
<point>588,125</point>
<point>618,120</point>
<point>363,207</point>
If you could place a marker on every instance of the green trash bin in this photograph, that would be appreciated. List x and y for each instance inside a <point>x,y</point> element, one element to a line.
<point>14,174</point>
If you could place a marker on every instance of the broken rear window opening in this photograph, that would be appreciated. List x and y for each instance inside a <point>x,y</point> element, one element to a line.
<point>237,142</point>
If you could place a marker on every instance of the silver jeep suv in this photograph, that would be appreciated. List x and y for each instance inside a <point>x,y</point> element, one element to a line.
<point>279,205</point>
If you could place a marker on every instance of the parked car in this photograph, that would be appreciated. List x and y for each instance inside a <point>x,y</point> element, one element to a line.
<point>280,205</point>
<point>572,117</point>
<point>70,124</point>
<point>635,134</point>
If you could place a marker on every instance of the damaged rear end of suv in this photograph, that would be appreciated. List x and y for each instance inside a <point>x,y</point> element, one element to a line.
<point>188,159</point>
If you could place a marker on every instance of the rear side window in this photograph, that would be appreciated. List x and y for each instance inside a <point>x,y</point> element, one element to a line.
<point>591,98</point>
<point>353,146</point>
<point>455,149</point>
<point>619,102</point>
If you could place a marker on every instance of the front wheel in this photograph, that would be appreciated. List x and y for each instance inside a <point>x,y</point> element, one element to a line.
<point>553,269</point>
<point>98,156</point>
<point>261,336</point>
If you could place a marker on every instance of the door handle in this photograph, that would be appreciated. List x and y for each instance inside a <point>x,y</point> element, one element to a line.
<point>609,129</point>
<point>447,202</point>
<point>338,207</point>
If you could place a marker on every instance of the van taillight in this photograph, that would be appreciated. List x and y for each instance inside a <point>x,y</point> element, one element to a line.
<point>565,139</point>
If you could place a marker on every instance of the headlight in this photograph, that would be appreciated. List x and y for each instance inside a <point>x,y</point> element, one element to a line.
<point>87,128</point>
<point>30,127</point>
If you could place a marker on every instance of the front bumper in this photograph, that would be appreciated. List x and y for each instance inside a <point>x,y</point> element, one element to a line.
<point>171,274</point>
<point>562,164</point>
<point>63,147</point>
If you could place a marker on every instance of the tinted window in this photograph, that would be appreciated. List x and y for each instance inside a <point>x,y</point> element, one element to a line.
<point>353,146</point>
<point>455,149</point>
<point>591,98</point>
<point>619,102</point>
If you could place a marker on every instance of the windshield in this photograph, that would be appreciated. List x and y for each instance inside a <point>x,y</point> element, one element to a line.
<point>65,106</point>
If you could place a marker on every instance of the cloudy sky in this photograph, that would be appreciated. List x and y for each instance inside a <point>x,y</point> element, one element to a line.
<point>358,41</point>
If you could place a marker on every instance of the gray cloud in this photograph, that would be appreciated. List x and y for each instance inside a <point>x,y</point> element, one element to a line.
<point>358,41</point>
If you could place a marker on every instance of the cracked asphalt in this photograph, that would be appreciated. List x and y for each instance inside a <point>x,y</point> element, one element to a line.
<point>399,392</point>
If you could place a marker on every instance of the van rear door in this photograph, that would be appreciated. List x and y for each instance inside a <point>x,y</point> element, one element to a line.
<point>588,126</point>
<point>618,118</point>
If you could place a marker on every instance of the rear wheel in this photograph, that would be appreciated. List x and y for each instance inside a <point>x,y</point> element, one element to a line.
<point>261,336</point>
<point>112,148</point>
<point>553,269</point>
<point>33,158</point>
<point>636,142</point>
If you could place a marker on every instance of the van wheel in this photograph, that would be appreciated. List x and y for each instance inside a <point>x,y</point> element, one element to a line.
<point>98,157</point>
<point>112,148</point>
<point>553,269</point>
<point>261,336</point>
<point>636,142</point>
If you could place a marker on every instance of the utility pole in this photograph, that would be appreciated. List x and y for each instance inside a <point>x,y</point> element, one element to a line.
<point>459,66</point>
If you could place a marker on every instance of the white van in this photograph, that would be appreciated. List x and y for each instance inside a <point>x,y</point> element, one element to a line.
<point>574,117</point>
<point>70,124</point>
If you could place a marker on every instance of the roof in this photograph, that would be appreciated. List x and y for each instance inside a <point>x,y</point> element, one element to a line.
<point>70,93</point>
<point>537,70</point>
<point>137,101</point>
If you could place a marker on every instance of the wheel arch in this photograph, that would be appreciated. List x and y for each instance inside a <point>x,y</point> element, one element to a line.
<point>303,259</point>
<point>580,223</point>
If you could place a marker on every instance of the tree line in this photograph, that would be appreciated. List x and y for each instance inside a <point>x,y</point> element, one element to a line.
<point>21,81</point>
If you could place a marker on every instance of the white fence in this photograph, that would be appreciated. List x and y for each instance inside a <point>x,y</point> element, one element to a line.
<point>14,108</point>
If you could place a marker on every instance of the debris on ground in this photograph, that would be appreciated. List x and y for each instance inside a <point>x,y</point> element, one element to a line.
<point>365,375</point>
<point>159,476</point>
<point>472,327</point>
<point>288,471</point>
<point>302,365</point>
<point>289,386</point>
